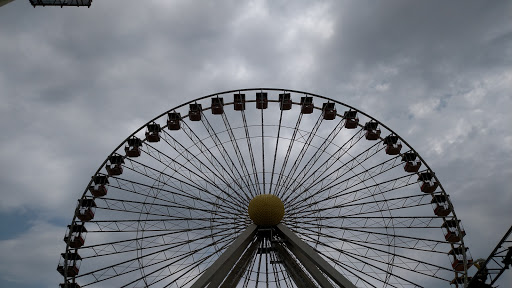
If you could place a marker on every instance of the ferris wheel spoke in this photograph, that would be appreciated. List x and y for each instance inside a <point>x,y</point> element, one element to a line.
<point>358,210</point>
<point>288,152</point>
<point>275,151</point>
<point>355,272</point>
<point>182,168</point>
<point>381,243</point>
<point>389,204</point>
<point>409,242</point>
<point>233,169</point>
<point>388,240</point>
<point>360,178</point>
<point>201,260</point>
<point>131,265</point>
<point>214,161</point>
<point>382,221</point>
<point>153,225</point>
<point>344,169</point>
<point>181,273</point>
<point>182,254</point>
<point>159,209</point>
<point>251,152</point>
<point>371,207</point>
<point>146,242</point>
<point>285,187</point>
<point>368,269</point>
<point>186,154</point>
<point>366,225</point>
<point>263,153</point>
<point>250,184</point>
<point>169,212</point>
<point>176,200</point>
<point>406,264</point>
<point>369,192</point>
<point>382,257</point>
<point>156,176</point>
<point>316,176</point>
<point>321,151</point>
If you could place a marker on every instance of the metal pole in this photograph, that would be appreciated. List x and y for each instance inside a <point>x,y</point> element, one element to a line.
<point>300,278</point>
<point>238,271</point>
<point>311,267</point>
<point>320,262</point>
<point>217,272</point>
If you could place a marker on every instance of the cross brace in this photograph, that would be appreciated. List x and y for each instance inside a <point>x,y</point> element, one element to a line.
<point>295,255</point>
<point>499,261</point>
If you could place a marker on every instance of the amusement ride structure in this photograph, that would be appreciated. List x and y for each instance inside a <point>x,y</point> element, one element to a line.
<point>272,188</point>
<point>264,188</point>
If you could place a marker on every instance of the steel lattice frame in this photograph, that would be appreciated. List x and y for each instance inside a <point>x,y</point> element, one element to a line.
<point>180,204</point>
<point>495,265</point>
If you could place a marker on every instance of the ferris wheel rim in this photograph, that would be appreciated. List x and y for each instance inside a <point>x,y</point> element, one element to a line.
<point>114,152</point>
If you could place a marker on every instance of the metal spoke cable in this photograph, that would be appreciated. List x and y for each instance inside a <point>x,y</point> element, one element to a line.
<point>275,152</point>
<point>239,155</point>
<point>333,159</point>
<point>286,186</point>
<point>263,152</point>
<point>125,246</point>
<point>143,169</point>
<point>363,176</point>
<point>200,163</point>
<point>135,188</point>
<point>345,168</point>
<point>377,251</point>
<point>186,255</point>
<point>321,151</point>
<point>288,152</point>
<point>206,151</point>
<point>226,157</point>
<point>391,185</point>
<point>251,152</point>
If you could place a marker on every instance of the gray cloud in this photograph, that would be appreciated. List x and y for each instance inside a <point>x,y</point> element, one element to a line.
<point>75,82</point>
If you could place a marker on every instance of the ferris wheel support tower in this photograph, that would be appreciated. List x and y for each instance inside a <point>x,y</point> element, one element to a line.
<point>233,260</point>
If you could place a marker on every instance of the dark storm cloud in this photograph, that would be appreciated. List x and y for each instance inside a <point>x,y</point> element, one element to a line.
<point>75,82</point>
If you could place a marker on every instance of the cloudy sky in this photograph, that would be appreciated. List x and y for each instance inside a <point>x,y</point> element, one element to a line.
<point>74,82</point>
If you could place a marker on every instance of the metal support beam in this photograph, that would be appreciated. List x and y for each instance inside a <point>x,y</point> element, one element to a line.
<point>238,271</point>
<point>495,265</point>
<point>311,267</point>
<point>300,278</point>
<point>308,252</point>
<point>217,272</point>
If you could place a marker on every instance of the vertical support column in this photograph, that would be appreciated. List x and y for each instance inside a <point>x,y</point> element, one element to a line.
<point>238,271</point>
<point>311,267</point>
<point>300,278</point>
<point>218,271</point>
<point>316,259</point>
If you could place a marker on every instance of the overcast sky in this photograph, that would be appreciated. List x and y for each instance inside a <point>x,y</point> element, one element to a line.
<point>74,82</point>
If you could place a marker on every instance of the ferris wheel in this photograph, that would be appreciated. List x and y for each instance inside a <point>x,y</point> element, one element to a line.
<point>264,188</point>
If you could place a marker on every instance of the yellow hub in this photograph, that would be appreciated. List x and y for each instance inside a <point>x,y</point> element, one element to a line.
<point>266,210</point>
